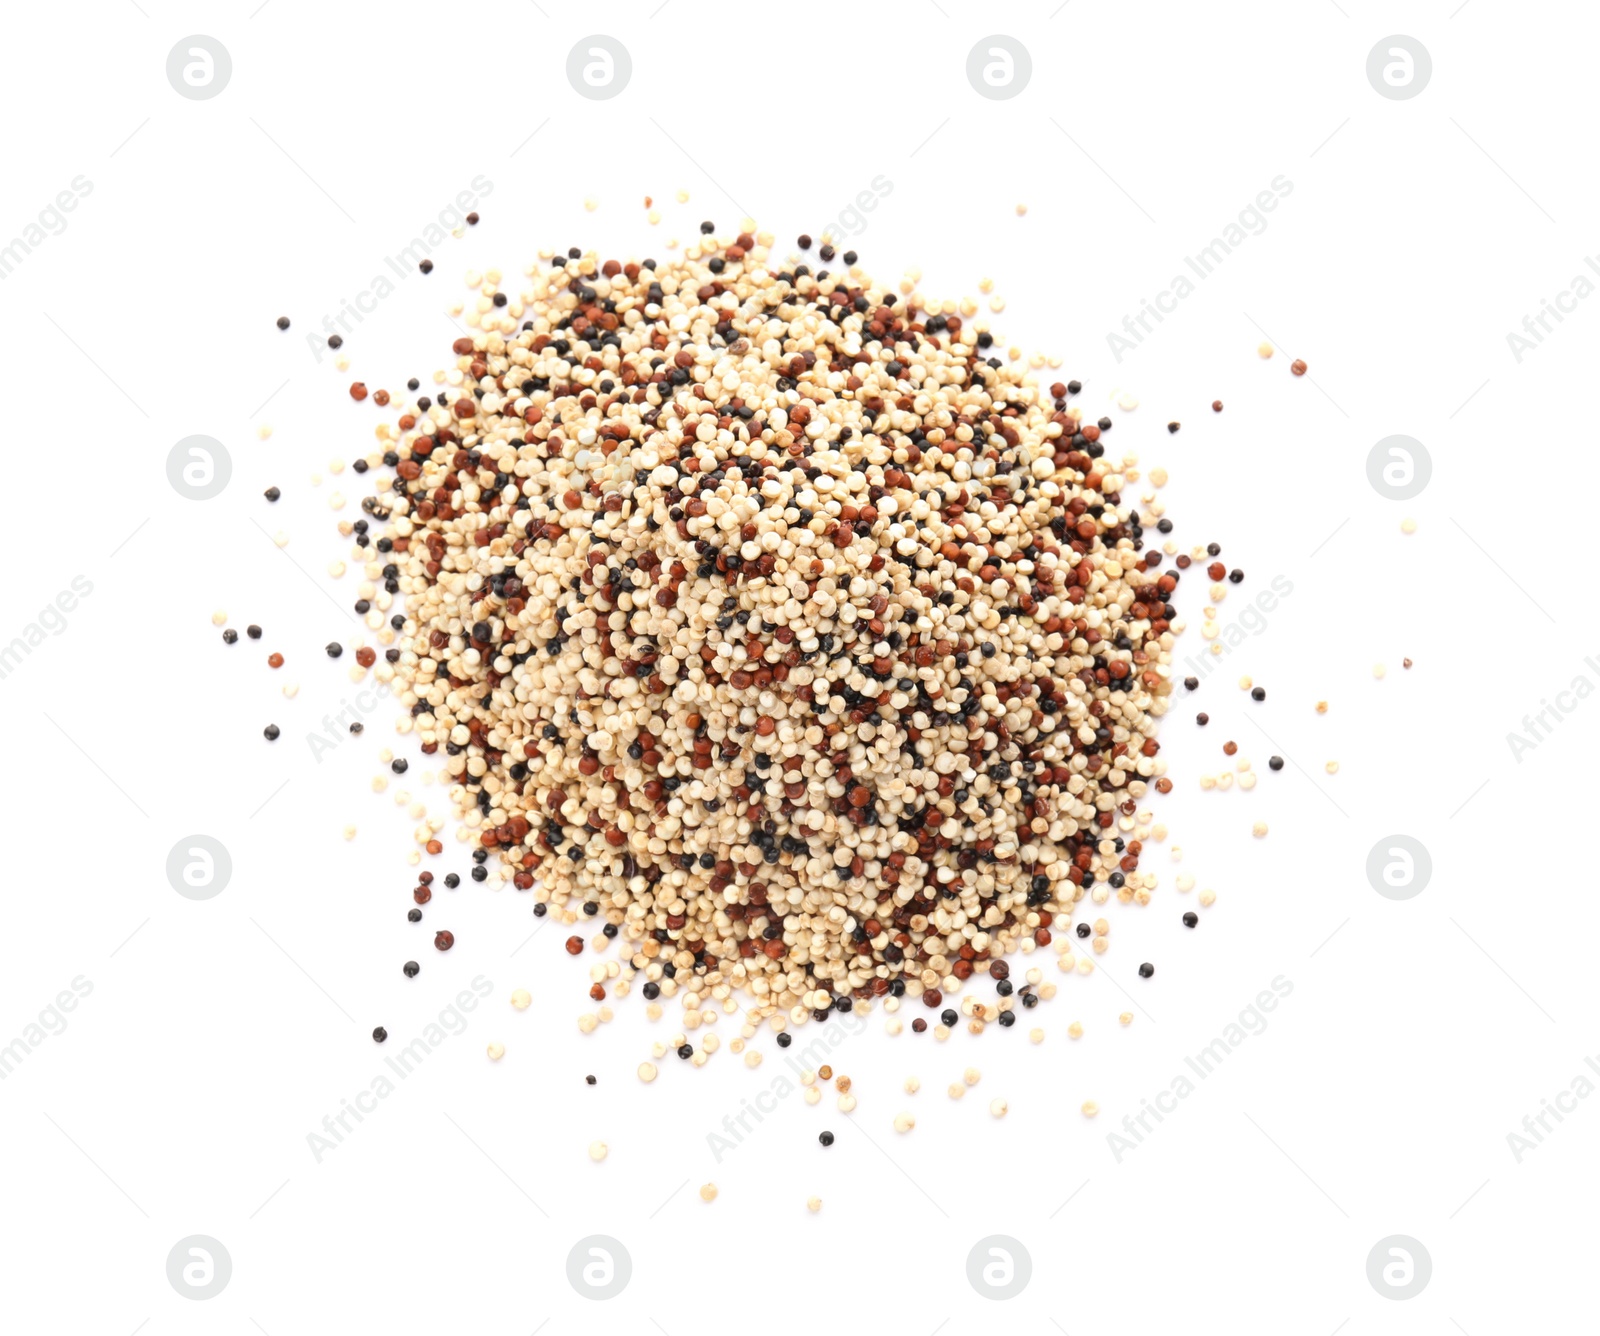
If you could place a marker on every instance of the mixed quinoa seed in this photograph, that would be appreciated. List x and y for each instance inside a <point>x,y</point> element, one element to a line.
<point>767,625</point>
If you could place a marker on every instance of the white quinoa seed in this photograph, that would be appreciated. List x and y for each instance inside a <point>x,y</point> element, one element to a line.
<point>904,1122</point>
<point>999,1108</point>
<point>496,1052</point>
<point>708,1192</point>
<point>647,1072</point>
<point>598,1150</point>
<point>1089,1108</point>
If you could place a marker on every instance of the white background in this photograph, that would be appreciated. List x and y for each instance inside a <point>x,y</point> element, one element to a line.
<point>218,1034</point>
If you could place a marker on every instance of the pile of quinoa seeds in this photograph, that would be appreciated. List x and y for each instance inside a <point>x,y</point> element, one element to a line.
<point>773,632</point>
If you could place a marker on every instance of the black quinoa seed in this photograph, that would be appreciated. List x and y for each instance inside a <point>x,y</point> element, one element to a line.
<point>253,631</point>
<point>426,266</point>
<point>826,1138</point>
<point>1146,970</point>
<point>334,649</point>
<point>229,636</point>
<point>1258,693</point>
<point>283,322</point>
<point>272,494</point>
<point>1190,918</point>
<point>1275,763</point>
<point>411,969</point>
<point>379,1034</point>
<point>270,732</point>
<point>334,341</point>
